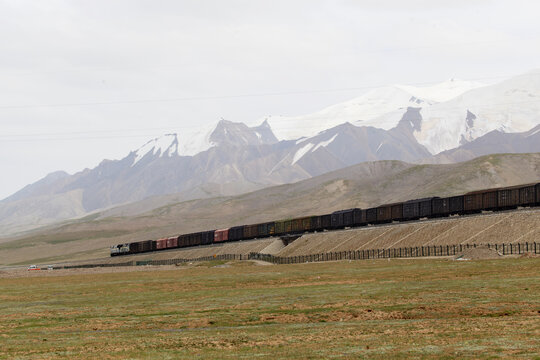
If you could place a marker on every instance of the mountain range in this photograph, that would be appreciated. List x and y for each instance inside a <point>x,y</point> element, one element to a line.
<point>450,122</point>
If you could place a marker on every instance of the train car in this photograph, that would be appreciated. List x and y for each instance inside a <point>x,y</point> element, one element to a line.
<point>527,195</point>
<point>456,204</point>
<point>418,208</point>
<point>221,235</point>
<point>120,249</point>
<point>336,219</point>
<point>161,244</point>
<point>283,227</point>
<point>473,202</point>
<point>316,224</point>
<point>266,229</point>
<point>441,207</point>
<point>371,216</point>
<point>172,242</point>
<point>236,233</point>
<point>251,231</point>
<point>147,245</point>
<point>347,218</point>
<point>326,221</point>
<point>508,197</point>
<point>397,211</point>
<point>490,199</point>
<point>447,206</point>
<point>384,214</point>
<point>537,194</point>
<point>207,237</point>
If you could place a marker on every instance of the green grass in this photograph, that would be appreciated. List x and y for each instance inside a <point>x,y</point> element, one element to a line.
<point>433,309</point>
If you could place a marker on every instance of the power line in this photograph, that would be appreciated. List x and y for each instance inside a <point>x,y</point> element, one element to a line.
<point>218,97</point>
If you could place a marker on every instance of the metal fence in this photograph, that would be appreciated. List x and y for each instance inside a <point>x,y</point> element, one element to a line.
<point>404,252</point>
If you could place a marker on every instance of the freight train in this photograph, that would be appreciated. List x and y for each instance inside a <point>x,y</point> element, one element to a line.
<point>473,202</point>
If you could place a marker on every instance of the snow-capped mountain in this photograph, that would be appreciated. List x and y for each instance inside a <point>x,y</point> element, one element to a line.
<point>510,106</point>
<point>382,108</point>
<point>227,158</point>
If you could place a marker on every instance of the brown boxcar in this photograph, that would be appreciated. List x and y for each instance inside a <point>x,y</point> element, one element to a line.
<point>145,246</point>
<point>221,235</point>
<point>527,195</point>
<point>283,227</point>
<point>489,199</point>
<point>508,197</point>
<point>384,213</point>
<point>172,242</point>
<point>397,211</point>
<point>266,229</point>
<point>472,202</point>
<point>251,231</point>
<point>296,225</point>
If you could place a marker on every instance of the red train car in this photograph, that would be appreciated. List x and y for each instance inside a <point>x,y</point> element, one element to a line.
<point>221,235</point>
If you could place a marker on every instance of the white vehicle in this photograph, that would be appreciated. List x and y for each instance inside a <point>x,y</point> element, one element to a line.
<point>119,249</point>
<point>33,267</point>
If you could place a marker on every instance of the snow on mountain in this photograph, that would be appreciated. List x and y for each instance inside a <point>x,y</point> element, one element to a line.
<point>166,145</point>
<point>192,141</point>
<point>510,106</point>
<point>444,91</point>
<point>381,108</point>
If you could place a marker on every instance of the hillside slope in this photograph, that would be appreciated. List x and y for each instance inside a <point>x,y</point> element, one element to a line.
<point>362,185</point>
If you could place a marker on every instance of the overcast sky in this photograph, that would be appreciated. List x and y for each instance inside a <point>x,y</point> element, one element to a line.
<point>81,81</point>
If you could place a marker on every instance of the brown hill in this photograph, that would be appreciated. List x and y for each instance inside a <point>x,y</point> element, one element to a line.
<point>362,185</point>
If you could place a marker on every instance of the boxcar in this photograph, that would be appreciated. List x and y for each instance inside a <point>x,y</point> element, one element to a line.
<point>473,202</point>
<point>236,233</point>
<point>447,206</point>
<point>207,237</point>
<point>134,247</point>
<point>283,227</point>
<point>490,199</point>
<point>145,245</point>
<point>371,216</point>
<point>221,235</point>
<point>456,204</point>
<point>441,207</point>
<point>300,225</point>
<point>508,198</point>
<point>172,242</point>
<point>316,223</point>
<point>336,219</point>
<point>251,231</point>
<point>397,211</point>
<point>418,208</point>
<point>161,244</point>
<point>538,194</point>
<point>384,214</point>
<point>347,218</point>
<point>326,221</point>
<point>266,229</point>
<point>527,195</point>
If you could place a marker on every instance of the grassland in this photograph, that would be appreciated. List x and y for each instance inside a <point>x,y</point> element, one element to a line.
<point>364,309</point>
